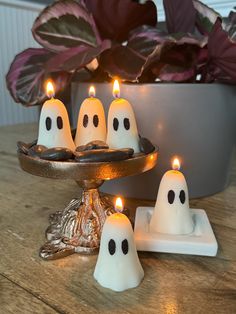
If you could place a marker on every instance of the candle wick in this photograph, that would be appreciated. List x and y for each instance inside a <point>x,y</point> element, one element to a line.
<point>119,209</point>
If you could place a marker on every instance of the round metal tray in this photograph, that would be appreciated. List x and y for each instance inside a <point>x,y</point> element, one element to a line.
<point>88,171</point>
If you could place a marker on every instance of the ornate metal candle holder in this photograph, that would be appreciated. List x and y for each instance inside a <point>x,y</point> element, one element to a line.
<point>77,228</point>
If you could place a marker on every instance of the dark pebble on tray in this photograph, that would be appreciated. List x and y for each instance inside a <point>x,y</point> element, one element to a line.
<point>145,145</point>
<point>104,155</point>
<point>36,150</point>
<point>57,154</point>
<point>129,151</point>
<point>23,147</point>
<point>92,145</point>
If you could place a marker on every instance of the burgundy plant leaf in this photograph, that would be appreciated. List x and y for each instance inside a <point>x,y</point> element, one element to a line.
<point>222,55</point>
<point>232,17</point>
<point>116,18</point>
<point>213,74</point>
<point>181,56</point>
<point>148,32</point>
<point>171,73</point>
<point>201,62</point>
<point>180,16</point>
<point>65,24</point>
<point>144,39</point>
<point>202,56</point>
<point>75,58</point>
<point>205,17</point>
<point>181,38</point>
<point>123,62</point>
<point>26,76</point>
<point>229,25</point>
<point>151,43</point>
<point>174,56</point>
<point>158,49</point>
<point>178,50</point>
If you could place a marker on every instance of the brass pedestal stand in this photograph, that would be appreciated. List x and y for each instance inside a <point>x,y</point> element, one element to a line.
<point>77,228</point>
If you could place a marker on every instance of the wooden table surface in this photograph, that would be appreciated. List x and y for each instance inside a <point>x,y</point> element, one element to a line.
<point>172,283</point>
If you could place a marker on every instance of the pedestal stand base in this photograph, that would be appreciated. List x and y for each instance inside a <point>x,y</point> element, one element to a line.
<point>77,229</point>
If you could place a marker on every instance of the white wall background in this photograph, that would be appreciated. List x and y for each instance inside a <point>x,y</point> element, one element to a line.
<point>16,20</point>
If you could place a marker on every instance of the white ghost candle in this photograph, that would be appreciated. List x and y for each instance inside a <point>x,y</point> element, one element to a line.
<point>122,129</point>
<point>54,125</point>
<point>171,214</point>
<point>118,266</point>
<point>91,123</point>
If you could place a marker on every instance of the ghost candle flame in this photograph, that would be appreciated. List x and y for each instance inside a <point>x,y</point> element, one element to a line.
<point>92,92</point>
<point>119,205</point>
<point>176,164</point>
<point>116,89</point>
<point>50,89</point>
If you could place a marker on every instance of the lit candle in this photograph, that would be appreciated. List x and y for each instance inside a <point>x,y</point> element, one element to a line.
<point>91,123</point>
<point>122,129</point>
<point>118,266</point>
<point>171,214</point>
<point>54,125</point>
<point>119,205</point>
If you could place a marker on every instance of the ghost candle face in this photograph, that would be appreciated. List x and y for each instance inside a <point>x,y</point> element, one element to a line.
<point>54,126</point>
<point>121,126</point>
<point>171,213</point>
<point>118,267</point>
<point>91,123</point>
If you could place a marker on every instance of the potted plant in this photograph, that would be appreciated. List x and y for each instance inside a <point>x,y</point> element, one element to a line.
<point>95,40</point>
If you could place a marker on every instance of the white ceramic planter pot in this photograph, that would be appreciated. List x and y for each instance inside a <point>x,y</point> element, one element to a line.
<point>194,121</point>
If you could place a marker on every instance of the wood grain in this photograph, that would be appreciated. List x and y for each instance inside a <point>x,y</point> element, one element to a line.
<point>172,283</point>
<point>14,299</point>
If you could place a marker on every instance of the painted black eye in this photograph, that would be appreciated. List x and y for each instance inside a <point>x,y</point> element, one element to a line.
<point>85,121</point>
<point>171,196</point>
<point>126,123</point>
<point>59,123</point>
<point>95,120</point>
<point>115,124</point>
<point>125,246</point>
<point>112,247</point>
<point>48,123</point>
<point>182,196</point>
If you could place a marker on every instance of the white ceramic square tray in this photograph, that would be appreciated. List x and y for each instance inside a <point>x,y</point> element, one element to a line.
<point>201,241</point>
